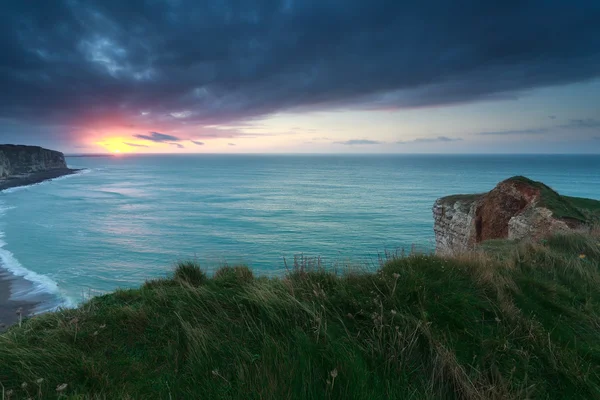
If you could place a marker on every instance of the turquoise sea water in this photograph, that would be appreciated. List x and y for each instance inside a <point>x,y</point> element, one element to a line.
<point>129,218</point>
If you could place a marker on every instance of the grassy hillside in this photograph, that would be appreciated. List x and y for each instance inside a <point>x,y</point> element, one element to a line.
<point>519,322</point>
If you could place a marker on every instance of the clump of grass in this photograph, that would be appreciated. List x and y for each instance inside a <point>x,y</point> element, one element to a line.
<point>190,273</point>
<point>475,326</point>
<point>228,275</point>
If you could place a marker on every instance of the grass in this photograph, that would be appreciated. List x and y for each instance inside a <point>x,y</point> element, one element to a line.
<point>589,208</point>
<point>463,197</point>
<point>518,322</point>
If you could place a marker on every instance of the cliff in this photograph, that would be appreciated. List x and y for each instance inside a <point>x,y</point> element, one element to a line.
<point>18,160</point>
<point>515,209</point>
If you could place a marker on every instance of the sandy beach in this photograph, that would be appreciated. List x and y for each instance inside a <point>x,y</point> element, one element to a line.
<point>8,308</point>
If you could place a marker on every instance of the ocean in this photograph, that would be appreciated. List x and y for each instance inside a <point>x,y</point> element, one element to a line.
<point>130,218</point>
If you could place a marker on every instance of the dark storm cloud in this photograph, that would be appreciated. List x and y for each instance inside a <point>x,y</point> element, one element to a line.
<point>74,62</point>
<point>358,142</point>
<point>430,140</point>
<point>134,144</point>
<point>197,142</point>
<point>535,131</point>
<point>158,137</point>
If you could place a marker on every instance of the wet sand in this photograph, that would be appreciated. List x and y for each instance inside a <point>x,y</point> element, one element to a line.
<point>35,177</point>
<point>8,308</point>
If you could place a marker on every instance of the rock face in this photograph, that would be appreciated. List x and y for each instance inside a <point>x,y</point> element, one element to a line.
<point>18,160</point>
<point>454,223</point>
<point>516,208</point>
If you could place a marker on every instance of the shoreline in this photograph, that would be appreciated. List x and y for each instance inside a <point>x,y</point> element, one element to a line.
<point>8,308</point>
<point>35,177</point>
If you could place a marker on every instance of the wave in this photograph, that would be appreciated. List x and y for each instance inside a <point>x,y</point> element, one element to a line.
<point>60,178</point>
<point>32,286</point>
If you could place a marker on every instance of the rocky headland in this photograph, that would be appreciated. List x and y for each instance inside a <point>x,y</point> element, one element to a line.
<point>25,165</point>
<point>517,208</point>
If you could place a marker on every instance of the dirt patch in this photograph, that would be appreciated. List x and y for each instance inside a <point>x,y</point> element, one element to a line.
<point>497,207</point>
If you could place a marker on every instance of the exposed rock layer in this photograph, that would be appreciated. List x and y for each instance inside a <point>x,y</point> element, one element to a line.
<point>18,160</point>
<point>514,209</point>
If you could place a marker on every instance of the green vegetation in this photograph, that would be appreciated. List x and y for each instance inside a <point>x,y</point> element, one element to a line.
<point>463,197</point>
<point>589,208</point>
<point>518,322</point>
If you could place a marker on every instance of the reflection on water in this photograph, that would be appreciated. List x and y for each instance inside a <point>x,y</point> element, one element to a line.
<point>131,218</point>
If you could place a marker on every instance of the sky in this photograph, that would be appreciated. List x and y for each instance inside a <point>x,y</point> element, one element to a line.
<point>301,76</point>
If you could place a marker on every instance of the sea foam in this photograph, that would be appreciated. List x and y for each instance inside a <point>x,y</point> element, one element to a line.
<point>37,286</point>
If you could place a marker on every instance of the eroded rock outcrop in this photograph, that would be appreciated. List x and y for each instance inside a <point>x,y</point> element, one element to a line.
<point>516,208</point>
<point>17,160</point>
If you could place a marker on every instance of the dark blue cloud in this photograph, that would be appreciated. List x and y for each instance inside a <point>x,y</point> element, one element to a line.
<point>359,142</point>
<point>534,131</point>
<point>67,62</point>
<point>430,140</point>
<point>158,137</point>
<point>135,144</point>
<point>197,142</point>
<point>583,123</point>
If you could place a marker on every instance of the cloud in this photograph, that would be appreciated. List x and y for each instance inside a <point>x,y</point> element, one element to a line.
<point>596,138</point>
<point>552,116</point>
<point>197,142</point>
<point>230,144</point>
<point>582,123</point>
<point>359,142</point>
<point>535,131</point>
<point>158,137</point>
<point>430,140</point>
<point>135,144</point>
<point>178,145</point>
<point>133,62</point>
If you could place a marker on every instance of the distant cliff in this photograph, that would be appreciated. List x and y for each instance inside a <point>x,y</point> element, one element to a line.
<point>18,160</point>
<point>515,209</point>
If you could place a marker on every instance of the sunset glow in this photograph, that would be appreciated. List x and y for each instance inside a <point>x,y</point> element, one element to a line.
<point>370,80</point>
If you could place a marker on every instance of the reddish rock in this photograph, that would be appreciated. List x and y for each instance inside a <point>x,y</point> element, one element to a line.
<point>496,208</point>
<point>517,208</point>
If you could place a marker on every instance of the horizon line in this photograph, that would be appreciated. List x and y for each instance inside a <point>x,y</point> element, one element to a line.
<point>119,155</point>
